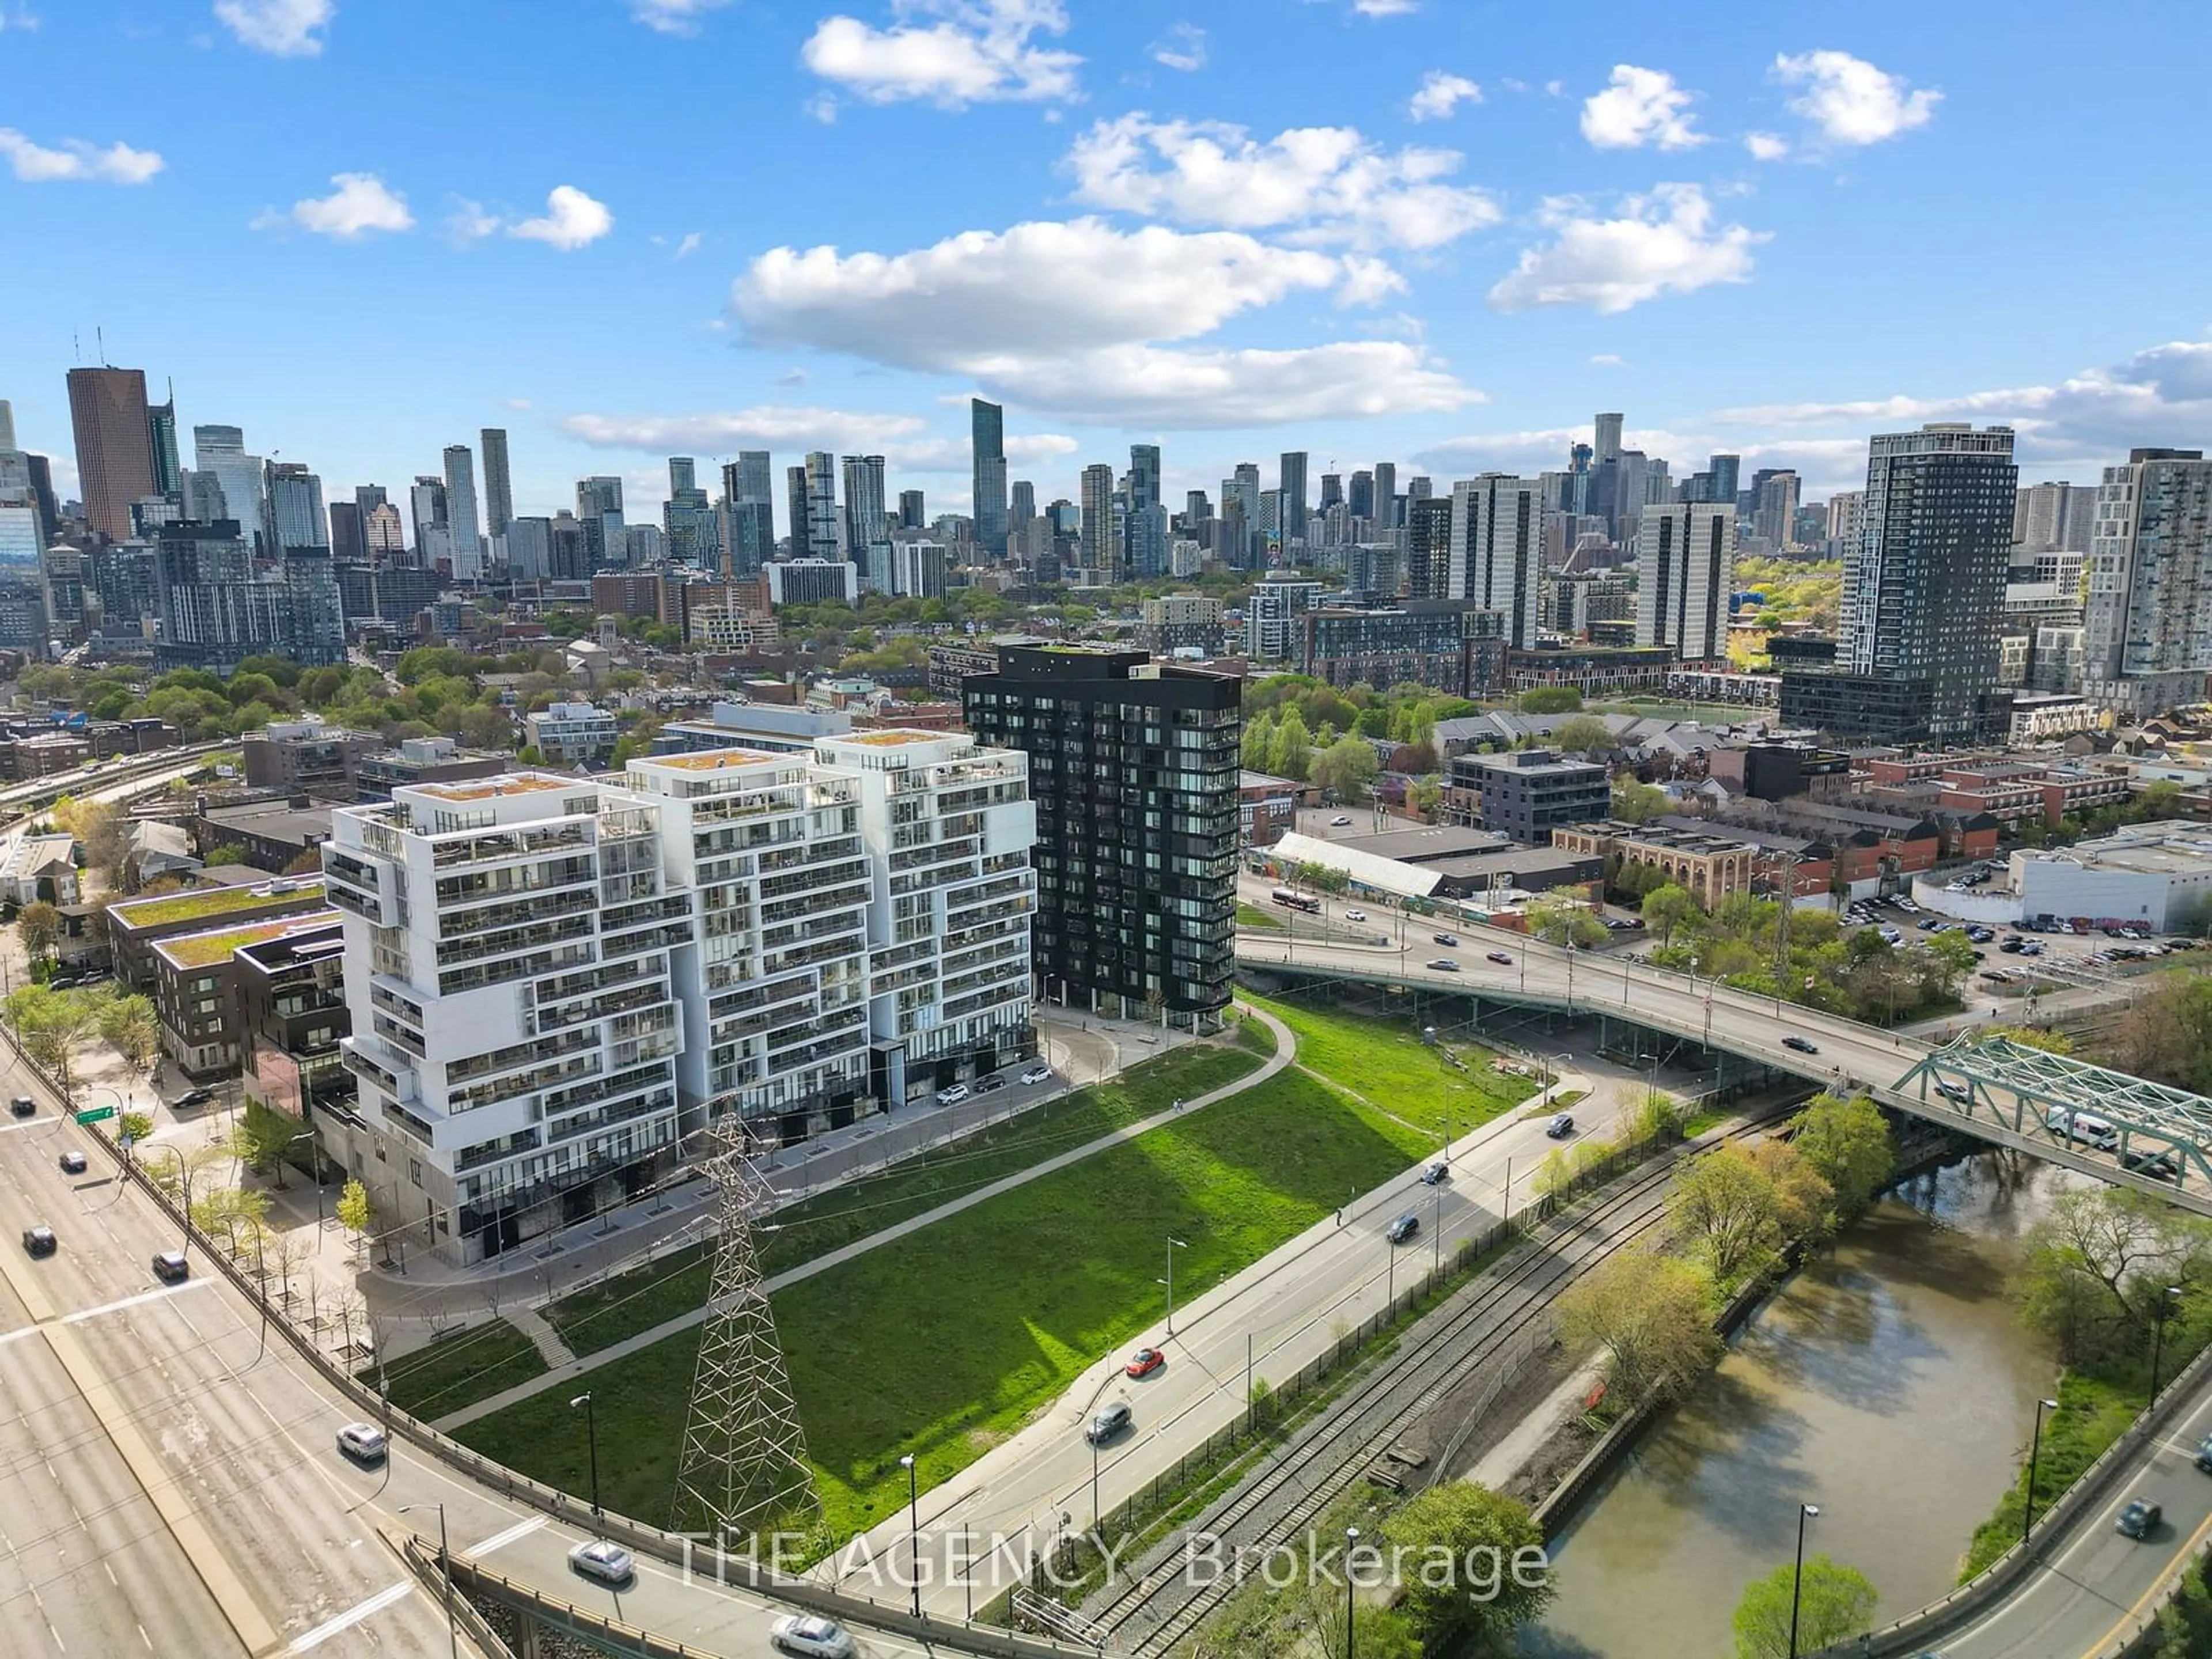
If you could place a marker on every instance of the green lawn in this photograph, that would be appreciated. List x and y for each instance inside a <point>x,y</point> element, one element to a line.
<point>1251,916</point>
<point>1385,1062</point>
<point>459,1369</point>
<point>636,1301</point>
<point>945,1343</point>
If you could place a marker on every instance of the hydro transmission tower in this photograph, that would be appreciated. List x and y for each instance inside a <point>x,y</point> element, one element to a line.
<point>743,1466</point>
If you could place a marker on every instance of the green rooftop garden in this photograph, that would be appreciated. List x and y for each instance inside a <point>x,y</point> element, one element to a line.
<point>204,949</point>
<point>202,903</point>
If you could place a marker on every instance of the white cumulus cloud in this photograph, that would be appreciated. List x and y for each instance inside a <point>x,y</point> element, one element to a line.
<point>1182,47</point>
<point>1070,317</point>
<point>571,219</point>
<point>952,52</point>
<point>1640,106</point>
<point>1608,360</point>
<point>673,16</point>
<point>1766,146</point>
<point>1664,242</point>
<point>1440,93</point>
<point>77,161</point>
<point>361,203</point>
<point>1853,102</point>
<point>284,29</point>
<point>1385,8</point>
<point>1316,184</point>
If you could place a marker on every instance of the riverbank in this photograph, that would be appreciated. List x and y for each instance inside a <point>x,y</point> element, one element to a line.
<point>1887,1376</point>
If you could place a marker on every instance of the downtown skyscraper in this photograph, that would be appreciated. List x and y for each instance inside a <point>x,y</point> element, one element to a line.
<point>1685,571</point>
<point>1496,556</point>
<point>499,489</point>
<point>987,440</point>
<point>461,513</point>
<point>114,447</point>
<point>2148,643</point>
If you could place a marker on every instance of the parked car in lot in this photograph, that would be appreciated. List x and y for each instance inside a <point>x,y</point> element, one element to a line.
<point>954,1096</point>
<point>1802,1045</point>
<point>1144,1362</point>
<point>72,1162</point>
<point>609,1563</point>
<point>990,1085</point>
<point>364,1443</point>
<point>39,1240</point>
<point>1039,1073</point>
<point>1106,1422</point>
<point>1561,1126</point>
<point>1403,1228</point>
<point>1445,965</point>
<point>810,1636</point>
<point>170,1268</point>
<point>2139,1519</point>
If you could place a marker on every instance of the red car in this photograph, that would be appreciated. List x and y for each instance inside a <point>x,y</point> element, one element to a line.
<point>1145,1361</point>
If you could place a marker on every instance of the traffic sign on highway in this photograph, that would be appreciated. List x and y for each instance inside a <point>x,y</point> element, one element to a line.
<point>95,1114</point>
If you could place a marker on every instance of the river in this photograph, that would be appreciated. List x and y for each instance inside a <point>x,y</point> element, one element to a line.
<point>1889,1383</point>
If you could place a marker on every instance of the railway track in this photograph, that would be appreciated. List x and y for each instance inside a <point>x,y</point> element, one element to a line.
<point>1162,1603</point>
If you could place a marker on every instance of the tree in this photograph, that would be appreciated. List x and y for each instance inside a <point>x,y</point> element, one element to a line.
<point>129,1025</point>
<point>261,1137</point>
<point>1558,922</point>
<point>1475,1525</point>
<point>52,1025</point>
<point>1551,700</point>
<point>1652,1316</point>
<point>1347,766</point>
<point>1582,734</point>
<point>1847,1144</point>
<point>135,1127</point>
<point>1728,1213</point>
<point>40,925</point>
<point>2094,1271</point>
<point>1834,1604</point>
<point>1639,803</point>
<point>2031,1037</point>
<point>229,852</point>
<point>355,1211</point>
<point>1670,906</point>
<point>1289,750</point>
<point>1259,731</point>
<point>1804,1203</point>
<point>1376,1633</point>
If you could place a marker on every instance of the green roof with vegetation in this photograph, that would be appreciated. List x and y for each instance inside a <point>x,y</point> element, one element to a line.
<point>201,901</point>
<point>205,950</point>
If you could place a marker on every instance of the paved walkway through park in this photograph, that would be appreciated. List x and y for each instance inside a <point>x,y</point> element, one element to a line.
<point>1285,1053</point>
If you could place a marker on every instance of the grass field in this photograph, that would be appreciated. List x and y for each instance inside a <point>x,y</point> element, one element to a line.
<point>459,1369</point>
<point>1251,916</point>
<point>1385,1062</point>
<point>636,1301</point>
<point>945,1344</point>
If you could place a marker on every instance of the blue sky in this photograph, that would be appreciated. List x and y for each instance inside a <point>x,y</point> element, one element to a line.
<point>1436,232</point>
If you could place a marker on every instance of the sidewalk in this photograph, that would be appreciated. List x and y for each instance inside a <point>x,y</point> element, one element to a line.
<point>1284,1055</point>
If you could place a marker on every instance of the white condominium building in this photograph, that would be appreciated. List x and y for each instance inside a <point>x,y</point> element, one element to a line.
<point>555,983</point>
<point>509,947</point>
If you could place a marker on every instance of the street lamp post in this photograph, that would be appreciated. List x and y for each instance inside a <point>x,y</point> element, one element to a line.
<point>1805,1512</point>
<point>446,1568</point>
<point>1094,1483</point>
<point>2158,1338</point>
<point>1351,1543</point>
<point>914,1528</point>
<point>2034,1451</point>
<point>1174,1244</point>
<point>591,1439</point>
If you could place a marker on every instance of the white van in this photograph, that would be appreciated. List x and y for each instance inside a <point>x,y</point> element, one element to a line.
<point>2083,1127</point>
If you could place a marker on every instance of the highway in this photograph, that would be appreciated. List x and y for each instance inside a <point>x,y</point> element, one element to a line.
<point>1845,1053</point>
<point>1276,1316</point>
<point>167,1486</point>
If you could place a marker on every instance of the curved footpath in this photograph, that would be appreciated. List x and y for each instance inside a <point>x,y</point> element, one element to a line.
<point>1285,1053</point>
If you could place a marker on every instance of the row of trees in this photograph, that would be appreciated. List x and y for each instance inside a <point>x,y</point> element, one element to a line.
<point>1859,974</point>
<point>54,1026</point>
<point>1282,746</point>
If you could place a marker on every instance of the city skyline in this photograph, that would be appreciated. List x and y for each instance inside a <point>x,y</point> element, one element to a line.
<point>1658,225</point>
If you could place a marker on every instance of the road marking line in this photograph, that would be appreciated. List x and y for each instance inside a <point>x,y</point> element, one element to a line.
<point>498,1539</point>
<point>143,1297</point>
<point>350,1617</point>
<point>2180,1559</point>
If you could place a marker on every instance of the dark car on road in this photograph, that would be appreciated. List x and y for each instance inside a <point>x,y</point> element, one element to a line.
<point>2139,1519</point>
<point>1802,1045</point>
<point>1106,1422</point>
<point>1447,939</point>
<point>39,1240</point>
<point>1561,1126</point>
<point>191,1097</point>
<point>170,1268</point>
<point>2158,1165</point>
<point>1404,1228</point>
<point>72,1162</point>
<point>23,1106</point>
